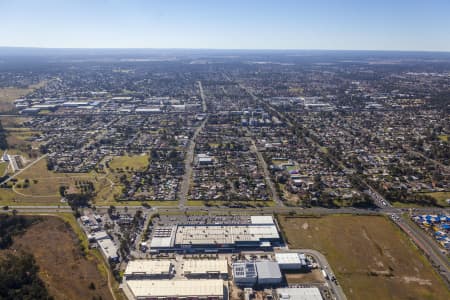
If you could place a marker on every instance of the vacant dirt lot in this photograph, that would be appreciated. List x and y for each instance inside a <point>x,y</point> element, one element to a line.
<point>65,271</point>
<point>371,257</point>
<point>315,276</point>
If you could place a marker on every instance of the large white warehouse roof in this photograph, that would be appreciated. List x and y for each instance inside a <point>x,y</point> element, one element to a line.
<point>148,267</point>
<point>262,219</point>
<point>207,234</point>
<point>176,288</point>
<point>204,266</point>
<point>299,294</point>
<point>287,258</point>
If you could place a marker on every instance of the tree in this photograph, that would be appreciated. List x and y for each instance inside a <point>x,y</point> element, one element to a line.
<point>20,280</point>
<point>3,141</point>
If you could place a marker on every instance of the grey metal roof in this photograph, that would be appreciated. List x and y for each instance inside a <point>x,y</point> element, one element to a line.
<point>268,269</point>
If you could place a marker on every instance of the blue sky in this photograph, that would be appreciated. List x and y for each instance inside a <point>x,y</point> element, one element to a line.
<point>227,24</point>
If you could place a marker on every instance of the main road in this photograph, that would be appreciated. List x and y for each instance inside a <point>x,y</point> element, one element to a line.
<point>189,157</point>
<point>431,249</point>
<point>188,164</point>
<point>263,165</point>
<point>434,253</point>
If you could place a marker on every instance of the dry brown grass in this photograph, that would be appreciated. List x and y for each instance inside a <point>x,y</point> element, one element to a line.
<point>65,271</point>
<point>371,257</point>
<point>13,121</point>
<point>315,276</point>
<point>9,94</point>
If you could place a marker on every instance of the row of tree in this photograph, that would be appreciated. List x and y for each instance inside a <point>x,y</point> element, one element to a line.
<point>3,141</point>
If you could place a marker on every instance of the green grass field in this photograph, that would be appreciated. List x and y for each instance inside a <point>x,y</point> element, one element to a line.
<point>137,203</point>
<point>371,257</point>
<point>441,197</point>
<point>443,138</point>
<point>221,203</point>
<point>136,162</point>
<point>44,186</point>
<point>3,167</point>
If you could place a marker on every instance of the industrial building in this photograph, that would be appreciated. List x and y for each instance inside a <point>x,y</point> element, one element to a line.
<point>244,273</point>
<point>106,244</point>
<point>204,160</point>
<point>268,273</point>
<point>163,237</point>
<point>292,261</point>
<point>147,269</point>
<point>264,273</point>
<point>177,289</point>
<point>254,232</point>
<point>205,268</point>
<point>225,236</point>
<point>312,293</point>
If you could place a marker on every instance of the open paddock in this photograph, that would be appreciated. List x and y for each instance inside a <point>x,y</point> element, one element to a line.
<point>372,258</point>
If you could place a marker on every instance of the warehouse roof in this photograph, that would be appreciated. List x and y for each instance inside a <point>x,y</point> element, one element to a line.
<point>268,269</point>
<point>176,288</point>
<point>163,237</point>
<point>203,266</point>
<point>262,219</point>
<point>244,270</point>
<point>161,242</point>
<point>108,247</point>
<point>214,234</point>
<point>148,267</point>
<point>287,258</point>
<point>299,293</point>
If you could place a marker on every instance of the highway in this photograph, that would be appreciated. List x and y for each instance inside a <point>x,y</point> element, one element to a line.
<point>430,248</point>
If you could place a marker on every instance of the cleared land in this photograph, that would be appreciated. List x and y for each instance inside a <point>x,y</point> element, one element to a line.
<point>67,273</point>
<point>371,257</point>
<point>305,278</point>
<point>9,94</point>
<point>44,186</point>
<point>13,121</point>
<point>18,137</point>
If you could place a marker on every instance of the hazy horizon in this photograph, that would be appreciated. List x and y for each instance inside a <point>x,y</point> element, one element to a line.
<point>348,25</point>
<point>224,49</point>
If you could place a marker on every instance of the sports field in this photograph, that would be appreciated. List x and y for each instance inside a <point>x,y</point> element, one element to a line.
<point>371,257</point>
<point>136,162</point>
